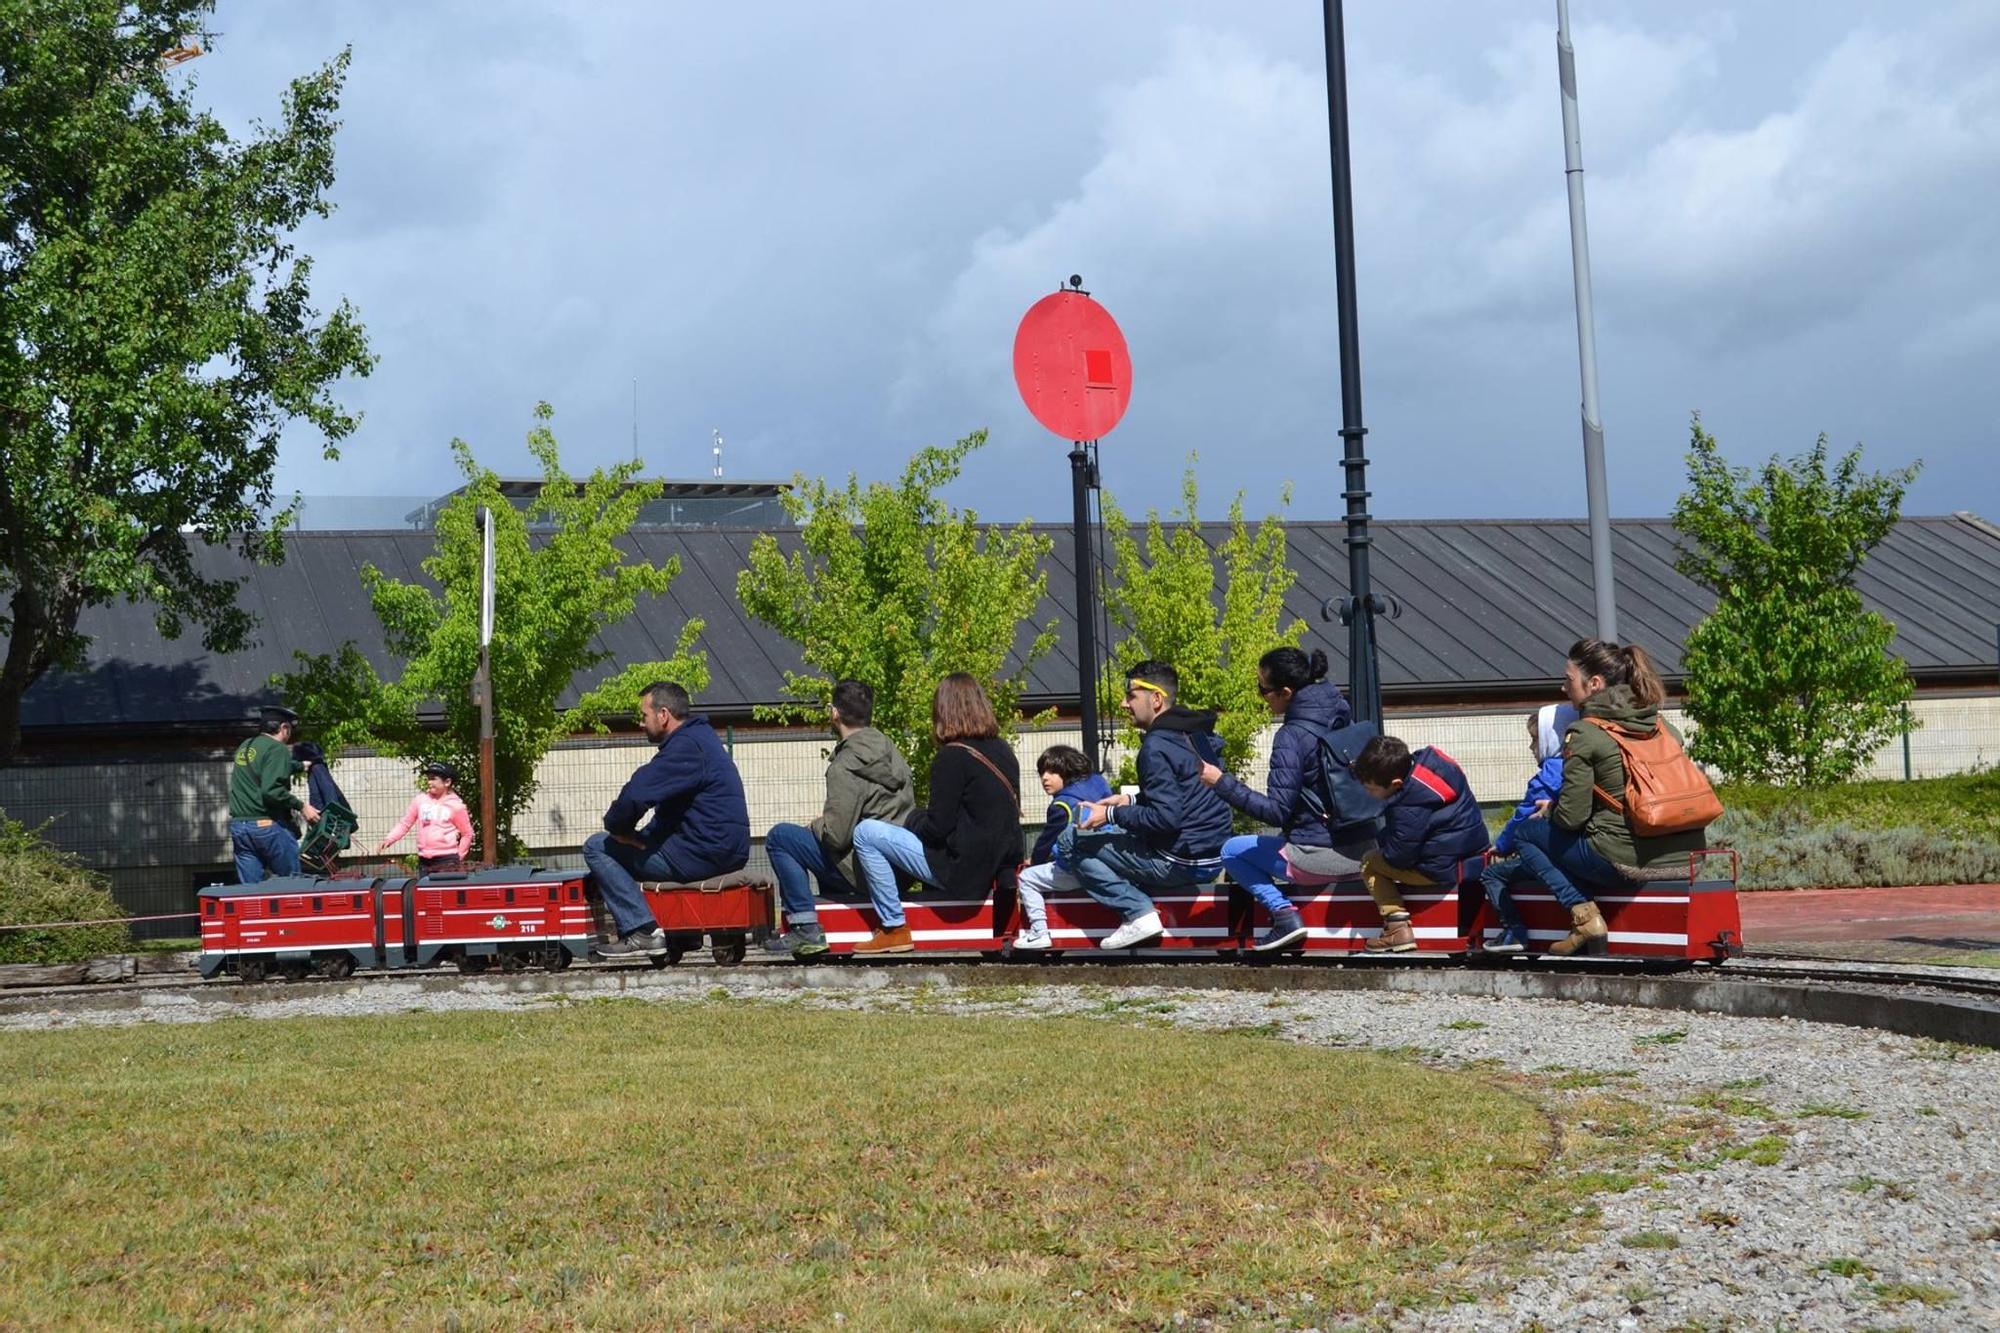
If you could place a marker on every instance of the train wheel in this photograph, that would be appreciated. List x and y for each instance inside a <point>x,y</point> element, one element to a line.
<point>729,950</point>
<point>472,965</point>
<point>334,966</point>
<point>250,970</point>
<point>557,959</point>
<point>293,969</point>
<point>677,949</point>
<point>513,962</point>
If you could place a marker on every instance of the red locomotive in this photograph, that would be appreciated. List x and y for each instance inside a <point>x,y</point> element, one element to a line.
<point>510,918</point>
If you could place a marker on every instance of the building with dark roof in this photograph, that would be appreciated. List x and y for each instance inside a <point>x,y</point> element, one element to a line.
<point>1488,609</point>
<point>709,502</point>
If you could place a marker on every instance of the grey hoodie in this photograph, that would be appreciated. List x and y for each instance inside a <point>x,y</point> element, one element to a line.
<point>867,778</point>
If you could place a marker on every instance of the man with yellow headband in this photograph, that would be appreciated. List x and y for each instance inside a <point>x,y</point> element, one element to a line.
<point>1170,836</point>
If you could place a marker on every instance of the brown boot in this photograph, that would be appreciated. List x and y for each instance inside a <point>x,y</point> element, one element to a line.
<point>896,939</point>
<point>1588,934</point>
<point>1396,936</point>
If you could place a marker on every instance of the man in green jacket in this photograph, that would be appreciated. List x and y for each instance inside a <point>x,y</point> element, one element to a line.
<point>866,778</point>
<point>261,801</point>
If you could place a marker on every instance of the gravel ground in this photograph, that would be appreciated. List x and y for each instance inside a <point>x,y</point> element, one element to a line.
<point>1836,1178</point>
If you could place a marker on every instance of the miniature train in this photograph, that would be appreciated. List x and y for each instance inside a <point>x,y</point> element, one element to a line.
<point>512,918</point>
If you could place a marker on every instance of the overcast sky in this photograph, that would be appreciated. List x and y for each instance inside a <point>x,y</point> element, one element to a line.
<point>815,228</point>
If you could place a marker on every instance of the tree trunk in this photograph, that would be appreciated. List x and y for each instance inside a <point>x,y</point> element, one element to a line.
<point>24,665</point>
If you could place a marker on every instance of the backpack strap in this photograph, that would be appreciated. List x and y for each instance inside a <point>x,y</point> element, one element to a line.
<point>1614,731</point>
<point>992,768</point>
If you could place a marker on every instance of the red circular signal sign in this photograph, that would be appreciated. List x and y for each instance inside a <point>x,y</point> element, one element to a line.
<point>1071,366</point>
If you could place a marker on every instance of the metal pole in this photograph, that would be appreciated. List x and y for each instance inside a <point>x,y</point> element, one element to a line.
<point>1364,684</point>
<point>1586,341</point>
<point>1906,742</point>
<point>489,832</point>
<point>1083,480</point>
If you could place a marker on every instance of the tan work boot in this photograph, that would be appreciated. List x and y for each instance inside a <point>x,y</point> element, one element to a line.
<point>1396,936</point>
<point>896,939</point>
<point>1588,934</point>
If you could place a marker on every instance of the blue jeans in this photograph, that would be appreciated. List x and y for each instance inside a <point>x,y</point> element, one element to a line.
<point>1253,861</point>
<point>1564,860</point>
<point>1497,879</point>
<point>795,853</point>
<point>1117,869</point>
<point>257,850</point>
<point>618,867</point>
<point>881,849</point>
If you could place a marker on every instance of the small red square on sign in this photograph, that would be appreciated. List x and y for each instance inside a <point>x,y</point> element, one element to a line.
<point>1097,368</point>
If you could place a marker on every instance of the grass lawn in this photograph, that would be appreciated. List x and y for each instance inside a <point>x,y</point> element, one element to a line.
<point>734,1165</point>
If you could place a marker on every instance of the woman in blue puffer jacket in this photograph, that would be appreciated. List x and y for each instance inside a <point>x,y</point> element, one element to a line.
<point>1305,851</point>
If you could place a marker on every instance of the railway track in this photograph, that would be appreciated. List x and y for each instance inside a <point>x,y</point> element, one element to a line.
<point>1949,1007</point>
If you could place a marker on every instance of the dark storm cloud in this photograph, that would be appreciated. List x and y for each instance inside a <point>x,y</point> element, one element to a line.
<point>814,228</point>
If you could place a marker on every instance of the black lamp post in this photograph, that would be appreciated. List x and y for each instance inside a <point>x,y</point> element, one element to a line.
<point>1358,609</point>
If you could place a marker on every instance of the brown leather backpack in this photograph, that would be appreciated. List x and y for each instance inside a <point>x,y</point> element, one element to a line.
<point>1664,791</point>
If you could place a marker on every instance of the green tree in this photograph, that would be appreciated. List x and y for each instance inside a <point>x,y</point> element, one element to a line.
<point>1163,598</point>
<point>1790,678</point>
<point>560,580</point>
<point>157,332</point>
<point>892,586</point>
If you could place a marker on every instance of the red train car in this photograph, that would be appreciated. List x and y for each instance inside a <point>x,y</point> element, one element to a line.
<point>1340,918</point>
<point>1687,912</point>
<point>730,910</point>
<point>511,917</point>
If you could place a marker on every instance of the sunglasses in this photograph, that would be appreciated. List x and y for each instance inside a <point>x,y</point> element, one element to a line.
<point>1268,690</point>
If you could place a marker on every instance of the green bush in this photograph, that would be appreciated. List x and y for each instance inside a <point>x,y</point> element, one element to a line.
<point>1966,806</point>
<point>1790,847</point>
<point>39,883</point>
<point>1858,834</point>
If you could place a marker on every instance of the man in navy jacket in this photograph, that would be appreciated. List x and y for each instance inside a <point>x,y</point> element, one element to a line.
<point>1430,823</point>
<point>700,825</point>
<point>1171,836</point>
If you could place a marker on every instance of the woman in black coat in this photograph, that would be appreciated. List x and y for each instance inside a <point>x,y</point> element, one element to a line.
<point>970,833</point>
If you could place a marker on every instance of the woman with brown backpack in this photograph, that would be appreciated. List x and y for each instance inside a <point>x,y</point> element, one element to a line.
<point>1630,796</point>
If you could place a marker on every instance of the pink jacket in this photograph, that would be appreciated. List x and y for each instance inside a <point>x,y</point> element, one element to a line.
<point>443,827</point>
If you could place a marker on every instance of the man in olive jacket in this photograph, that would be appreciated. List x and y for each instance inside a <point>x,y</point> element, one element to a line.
<point>866,778</point>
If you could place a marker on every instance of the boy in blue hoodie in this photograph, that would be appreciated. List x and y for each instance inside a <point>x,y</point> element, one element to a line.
<point>1430,822</point>
<point>1546,726</point>
<point>1069,781</point>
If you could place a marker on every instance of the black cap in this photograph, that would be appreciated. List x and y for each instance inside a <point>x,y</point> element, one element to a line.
<point>273,715</point>
<point>437,768</point>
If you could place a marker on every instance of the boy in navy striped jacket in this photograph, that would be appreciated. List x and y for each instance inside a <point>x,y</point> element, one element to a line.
<point>1430,823</point>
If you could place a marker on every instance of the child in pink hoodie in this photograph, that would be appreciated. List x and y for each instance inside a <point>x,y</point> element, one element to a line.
<point>444,830</point>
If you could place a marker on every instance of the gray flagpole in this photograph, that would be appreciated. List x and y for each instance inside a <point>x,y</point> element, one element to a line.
<point>1586,341</point>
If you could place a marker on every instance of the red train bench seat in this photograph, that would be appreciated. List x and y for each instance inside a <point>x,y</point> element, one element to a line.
<point>1675,909</point>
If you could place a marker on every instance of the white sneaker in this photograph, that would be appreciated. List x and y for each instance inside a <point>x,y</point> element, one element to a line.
<point>1034,937</point>
<point>1140,930</point>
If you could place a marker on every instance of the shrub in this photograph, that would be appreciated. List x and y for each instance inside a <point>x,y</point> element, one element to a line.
<point>1787,847</point>
<point>39,883</point>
